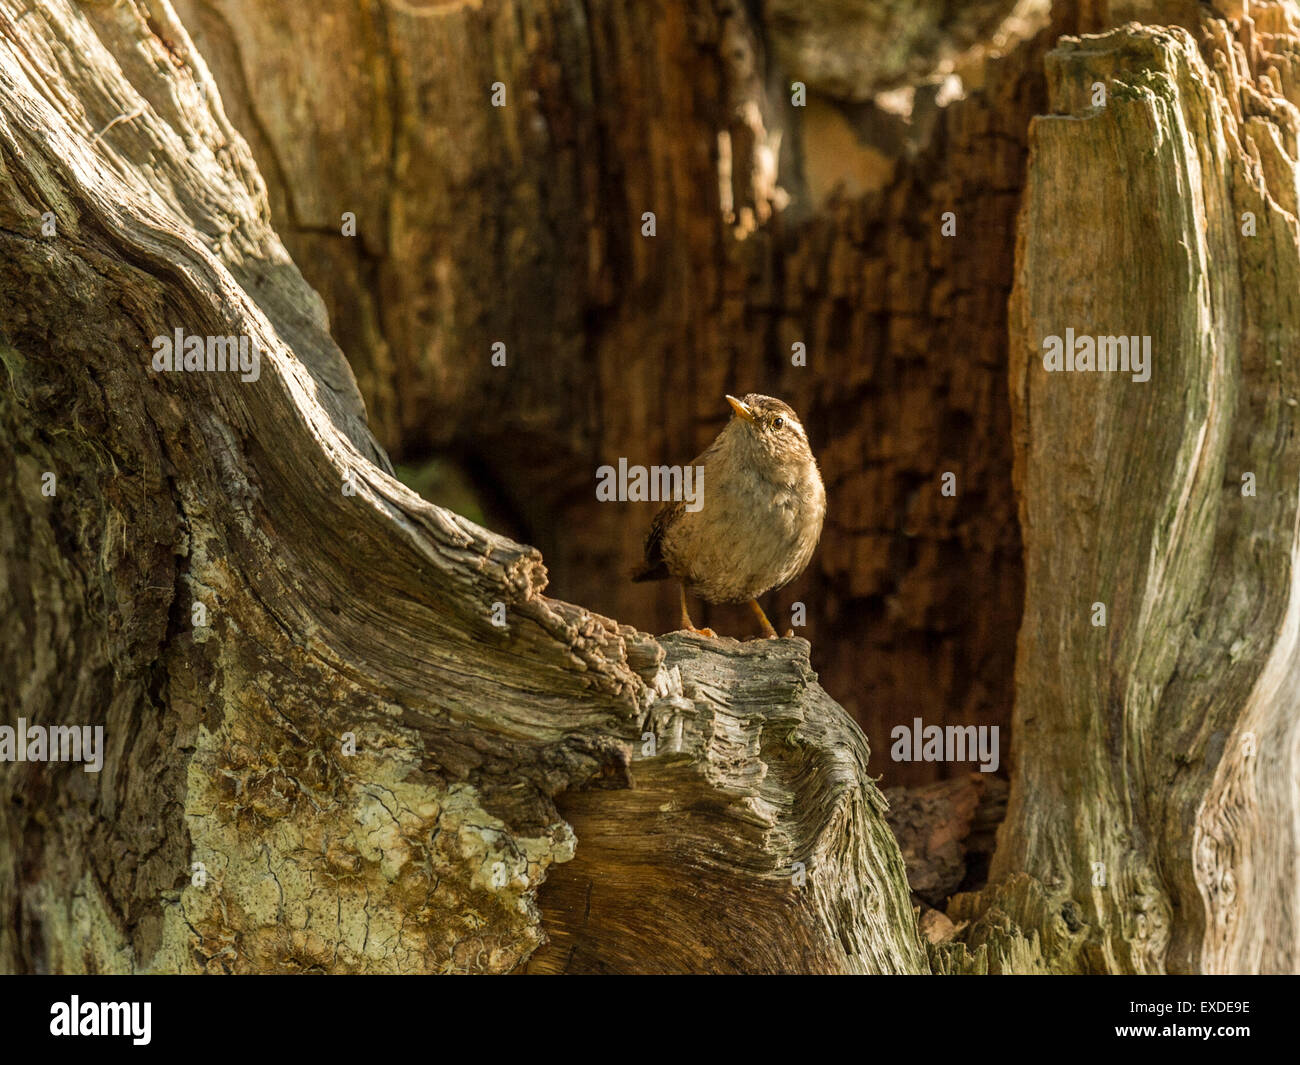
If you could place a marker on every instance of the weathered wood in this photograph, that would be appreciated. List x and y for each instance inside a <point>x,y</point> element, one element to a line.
<point>774,745</point>
<point>1155,754</point>
<point>339,607</point>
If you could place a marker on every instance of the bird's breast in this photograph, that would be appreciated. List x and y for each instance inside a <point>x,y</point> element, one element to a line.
<point>749,536</point>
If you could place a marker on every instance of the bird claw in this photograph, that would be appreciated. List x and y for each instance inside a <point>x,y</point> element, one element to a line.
<point>703,632</point>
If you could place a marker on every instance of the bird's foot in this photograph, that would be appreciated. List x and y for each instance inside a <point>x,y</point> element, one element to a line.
<point>688,625</point>
<point>789,634</point>
<point>766,625</point>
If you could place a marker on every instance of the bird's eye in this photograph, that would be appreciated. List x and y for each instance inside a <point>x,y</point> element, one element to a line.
<point>777,423</point>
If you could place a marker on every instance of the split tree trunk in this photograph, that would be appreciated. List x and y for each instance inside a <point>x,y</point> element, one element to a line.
<point>1152,818</point>
<point>522,225</point>
<point>231,828</point>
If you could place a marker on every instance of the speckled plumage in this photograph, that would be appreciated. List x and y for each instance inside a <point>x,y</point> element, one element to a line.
<point>762,513</point>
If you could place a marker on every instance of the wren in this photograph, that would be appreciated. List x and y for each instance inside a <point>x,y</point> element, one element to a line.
<point>761,518</point>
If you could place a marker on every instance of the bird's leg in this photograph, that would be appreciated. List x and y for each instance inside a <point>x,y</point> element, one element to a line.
<point>768,631</point>
<point>687,623</point>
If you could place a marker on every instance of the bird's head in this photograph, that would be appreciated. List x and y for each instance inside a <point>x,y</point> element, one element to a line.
<point>770,428</point>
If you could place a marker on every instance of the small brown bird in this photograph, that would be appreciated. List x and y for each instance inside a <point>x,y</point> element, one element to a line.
<point>760,516</point>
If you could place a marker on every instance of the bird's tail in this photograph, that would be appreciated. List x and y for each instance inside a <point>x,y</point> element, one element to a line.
<point>651,571</point>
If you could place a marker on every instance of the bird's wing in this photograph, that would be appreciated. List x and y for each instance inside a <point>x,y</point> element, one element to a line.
<point>654,568</point>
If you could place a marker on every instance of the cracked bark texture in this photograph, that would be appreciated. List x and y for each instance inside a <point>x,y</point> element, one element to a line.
<point>232,829</point>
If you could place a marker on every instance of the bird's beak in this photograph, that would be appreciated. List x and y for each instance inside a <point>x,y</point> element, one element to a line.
<point>740,409</point>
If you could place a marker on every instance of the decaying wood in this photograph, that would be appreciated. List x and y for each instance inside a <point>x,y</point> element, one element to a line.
<point>851,50</point>
<point>231,828</point>
<point>522,224</point>
<point>945,831</point>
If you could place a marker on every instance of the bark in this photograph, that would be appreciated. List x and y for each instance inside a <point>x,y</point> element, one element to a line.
<point>231,828</point>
